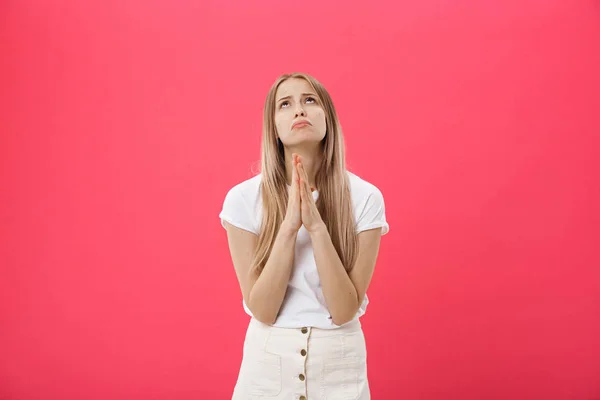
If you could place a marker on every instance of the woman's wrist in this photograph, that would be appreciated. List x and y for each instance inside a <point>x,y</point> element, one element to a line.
<point>287,228</point>
<point>318,230</point>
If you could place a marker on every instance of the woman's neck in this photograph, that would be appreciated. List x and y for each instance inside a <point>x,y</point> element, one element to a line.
<point>310,162</point>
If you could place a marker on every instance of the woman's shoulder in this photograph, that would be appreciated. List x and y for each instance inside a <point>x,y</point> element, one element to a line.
<point>248,186</point>
<point>360,187</point>
<point>242,205</point>
<point>369,204</point>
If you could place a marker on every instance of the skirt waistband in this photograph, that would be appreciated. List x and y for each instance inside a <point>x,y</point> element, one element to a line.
<point>352,326</point>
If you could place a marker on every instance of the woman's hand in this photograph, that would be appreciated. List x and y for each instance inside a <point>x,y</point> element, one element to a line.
<point>293,215</point>
<point>310,214</point>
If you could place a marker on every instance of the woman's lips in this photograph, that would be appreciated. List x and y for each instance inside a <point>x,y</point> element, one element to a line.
<point>300,124</point>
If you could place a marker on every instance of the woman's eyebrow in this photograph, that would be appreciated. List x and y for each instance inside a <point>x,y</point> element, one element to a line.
<point>303,94</point>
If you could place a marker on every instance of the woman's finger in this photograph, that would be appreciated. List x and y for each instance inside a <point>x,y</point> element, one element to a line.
<point>299,170</point>
<point>303,186</point>
<point>296,176</point>
<point>294,164</point>
<point>305,176</point>
<point>300,190</point>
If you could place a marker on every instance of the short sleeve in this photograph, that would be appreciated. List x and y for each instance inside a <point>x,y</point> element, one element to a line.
<point>236,211</point>
<point>372,214</point>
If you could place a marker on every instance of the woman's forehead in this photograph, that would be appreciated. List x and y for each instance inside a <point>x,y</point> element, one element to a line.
<point>293,86</point>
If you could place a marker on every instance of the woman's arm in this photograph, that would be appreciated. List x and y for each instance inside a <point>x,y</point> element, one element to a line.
<point>263,294</point>
<point>344,292</point>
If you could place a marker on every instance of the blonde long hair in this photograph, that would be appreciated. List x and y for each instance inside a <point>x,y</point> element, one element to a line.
<point>334,202</point>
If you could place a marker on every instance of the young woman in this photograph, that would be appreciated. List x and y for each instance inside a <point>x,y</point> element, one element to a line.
<point>304,236</point>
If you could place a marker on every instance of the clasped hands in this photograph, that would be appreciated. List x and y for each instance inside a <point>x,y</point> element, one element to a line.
<point>302,209</point>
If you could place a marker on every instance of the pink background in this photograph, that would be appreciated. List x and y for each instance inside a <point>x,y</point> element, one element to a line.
<point>124,123</point>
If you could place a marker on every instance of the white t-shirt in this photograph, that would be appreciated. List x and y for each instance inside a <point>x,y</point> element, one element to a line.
<point>304,303</point>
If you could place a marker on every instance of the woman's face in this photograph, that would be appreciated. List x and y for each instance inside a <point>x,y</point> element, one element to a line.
<point>299,116</point>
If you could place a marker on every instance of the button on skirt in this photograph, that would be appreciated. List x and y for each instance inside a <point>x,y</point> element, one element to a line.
<point>303,363</point>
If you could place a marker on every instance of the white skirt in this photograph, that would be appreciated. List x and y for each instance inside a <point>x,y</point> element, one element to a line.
<point>303,364</point>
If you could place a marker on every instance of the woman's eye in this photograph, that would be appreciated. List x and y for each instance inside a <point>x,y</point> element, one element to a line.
<point>285,103</point>
<point>310,99</point>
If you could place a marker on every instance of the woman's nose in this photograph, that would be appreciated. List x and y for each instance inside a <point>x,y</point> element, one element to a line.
<point>300,112</point>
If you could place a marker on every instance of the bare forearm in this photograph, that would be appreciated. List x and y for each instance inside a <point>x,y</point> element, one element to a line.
<point>268,292</point>
<point>339,291</point>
